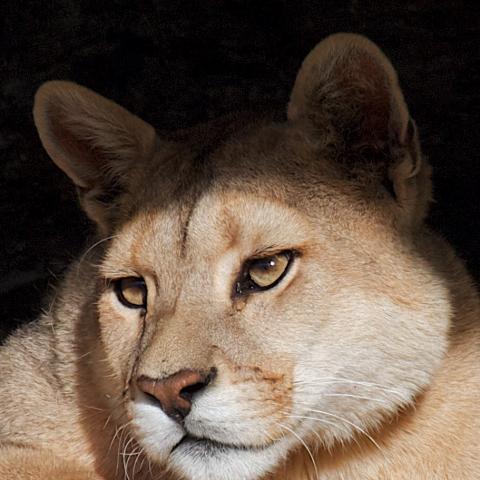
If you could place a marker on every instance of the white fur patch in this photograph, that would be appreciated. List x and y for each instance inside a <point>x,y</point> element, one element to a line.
<point>157,432</point>
<point>204,459</point>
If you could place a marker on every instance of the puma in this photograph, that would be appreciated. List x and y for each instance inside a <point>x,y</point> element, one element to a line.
<point>263,300</point>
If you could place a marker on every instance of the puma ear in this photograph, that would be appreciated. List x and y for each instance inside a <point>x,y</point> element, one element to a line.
<point>348,86</point>
<point>97,143</point>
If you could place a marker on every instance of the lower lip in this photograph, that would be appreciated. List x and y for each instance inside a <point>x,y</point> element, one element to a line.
<point>190,444</point>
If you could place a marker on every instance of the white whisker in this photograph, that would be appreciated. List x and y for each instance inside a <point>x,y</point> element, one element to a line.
<point>334,380</point>
<point>141,453</point>
<point>89,249</point>
<point>304,444</point>
<point>122,430</point>
<point>351,395</point>
<point>127,457</point>
<point>355,426</point>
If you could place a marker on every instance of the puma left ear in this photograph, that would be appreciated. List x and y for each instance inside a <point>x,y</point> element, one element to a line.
<point>347,85</point>
<point>97,143</point>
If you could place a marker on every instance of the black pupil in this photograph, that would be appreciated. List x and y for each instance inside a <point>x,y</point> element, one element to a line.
<point>265,263</point>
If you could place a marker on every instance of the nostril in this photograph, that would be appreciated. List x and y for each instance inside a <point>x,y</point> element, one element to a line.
<point>189,391</point>
<point>153,398</point>
<point>174,394</point>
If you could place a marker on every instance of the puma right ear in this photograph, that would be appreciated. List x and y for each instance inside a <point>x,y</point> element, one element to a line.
<point>348,87</point>
<point>97,143</point>
<point>348,81</point>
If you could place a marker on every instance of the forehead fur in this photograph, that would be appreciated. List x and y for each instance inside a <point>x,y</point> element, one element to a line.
<point>279,161</point>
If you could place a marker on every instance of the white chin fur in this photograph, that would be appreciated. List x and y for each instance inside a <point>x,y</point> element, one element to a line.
<point>198,460</point>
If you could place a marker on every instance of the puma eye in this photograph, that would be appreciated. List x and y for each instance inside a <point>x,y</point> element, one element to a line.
<point>264,273</point>
<point>131,292</point>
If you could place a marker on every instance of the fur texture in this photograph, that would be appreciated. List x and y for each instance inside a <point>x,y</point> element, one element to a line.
<point>362,362</point>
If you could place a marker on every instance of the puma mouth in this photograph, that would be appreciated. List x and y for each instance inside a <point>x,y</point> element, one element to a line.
<point>190,444</point>
<point>198,457</point>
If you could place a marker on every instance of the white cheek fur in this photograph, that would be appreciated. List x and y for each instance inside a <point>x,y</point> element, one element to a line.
<point>348,382</point>
<point>156,431</point>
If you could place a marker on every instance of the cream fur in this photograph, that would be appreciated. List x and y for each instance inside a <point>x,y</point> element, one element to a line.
<point>363,362</point>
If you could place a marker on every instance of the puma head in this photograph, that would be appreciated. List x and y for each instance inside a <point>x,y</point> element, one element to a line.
<point>261,288</point>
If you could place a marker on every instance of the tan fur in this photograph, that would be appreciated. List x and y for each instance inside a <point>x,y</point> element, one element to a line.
<point>362,363</point>
<point>29,464</point>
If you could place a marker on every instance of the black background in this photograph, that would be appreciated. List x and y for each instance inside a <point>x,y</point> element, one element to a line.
<point>176,63</point>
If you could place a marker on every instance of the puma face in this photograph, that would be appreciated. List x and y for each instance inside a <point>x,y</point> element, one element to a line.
<point>261,288</point>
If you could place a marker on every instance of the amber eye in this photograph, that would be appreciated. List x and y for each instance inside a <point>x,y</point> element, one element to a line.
<point>264,273</point>
<point>132,292</point>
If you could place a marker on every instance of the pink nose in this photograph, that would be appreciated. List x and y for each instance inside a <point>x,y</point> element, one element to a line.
<point>175,393</point>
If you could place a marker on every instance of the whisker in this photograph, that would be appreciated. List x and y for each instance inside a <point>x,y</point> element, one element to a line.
<point>334,380</point>
<point>304,444</point>
<point>141,453</point>
<point>91,407</point>
<point>351,395</point>
<point>106,422</point>
<point>86,354</point>
<point>89,249</point>
<point>136,453</point>
<point>149,466</point>
<point>322,420</point>
<point>119,431</point>
<point>127,457</point>
<point>131,454</point>
<point>360,429</point>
